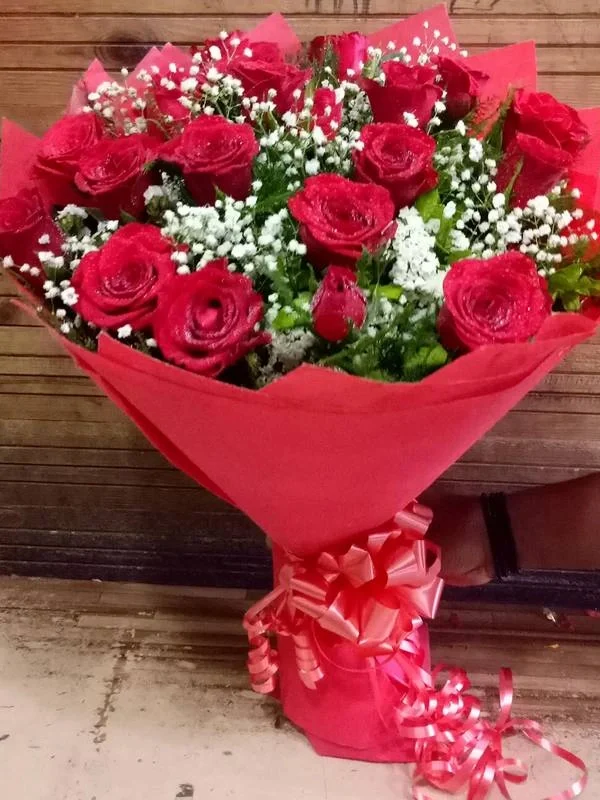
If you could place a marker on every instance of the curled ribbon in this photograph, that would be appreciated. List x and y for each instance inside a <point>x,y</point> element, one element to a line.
<point>373,594</point>
<point>456,749</point>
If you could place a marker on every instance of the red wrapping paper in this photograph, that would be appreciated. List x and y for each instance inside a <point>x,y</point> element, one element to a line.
<point>318,457</point>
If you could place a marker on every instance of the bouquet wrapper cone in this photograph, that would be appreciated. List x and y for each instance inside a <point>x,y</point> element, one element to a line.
<point>317,459</point>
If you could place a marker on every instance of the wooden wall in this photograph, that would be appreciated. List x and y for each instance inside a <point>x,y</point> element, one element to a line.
<point>82,494</point>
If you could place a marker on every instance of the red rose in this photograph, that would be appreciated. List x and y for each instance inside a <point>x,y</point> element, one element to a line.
<point>407,90</point>
<point>326,110</point>
<point>540,114</point>
<point>339,218</point>
<point>207,321</point>
<point>214,153</point>
<point>463,86</point>
<point>23,221</point>
<point>112,174</point>
<point>338,303</point>
<point>398,157</point>
<point>61,149</point>
<point>497,301</point>
<point>120,283</point>
<point>258,75</point>
<point>541,167</point>
<point>349,50</point>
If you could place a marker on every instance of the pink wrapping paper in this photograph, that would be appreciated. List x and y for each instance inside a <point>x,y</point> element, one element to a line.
<point>319,457</point>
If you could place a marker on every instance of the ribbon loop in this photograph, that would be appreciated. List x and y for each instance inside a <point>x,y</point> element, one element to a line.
<point>373,594</point>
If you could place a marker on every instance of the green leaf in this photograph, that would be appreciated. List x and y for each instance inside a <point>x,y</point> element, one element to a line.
<point>588,286</point>
<point>423,361</point>
<point>571,301</point>
<point>430,205</point>
<point>391,292</point>
<point>565,280</point>
<point>285,320</point>
<point>126,217</point>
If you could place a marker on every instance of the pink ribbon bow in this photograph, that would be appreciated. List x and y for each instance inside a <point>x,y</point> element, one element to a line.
<point>456,749</point>
<point>373,594</point>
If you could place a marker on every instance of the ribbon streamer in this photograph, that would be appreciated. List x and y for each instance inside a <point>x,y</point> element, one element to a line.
<point>457,750</point>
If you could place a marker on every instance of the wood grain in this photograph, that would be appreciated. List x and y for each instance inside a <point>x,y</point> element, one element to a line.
<point>83,493</point>
<point>40,57</point>
<point>310,8</point>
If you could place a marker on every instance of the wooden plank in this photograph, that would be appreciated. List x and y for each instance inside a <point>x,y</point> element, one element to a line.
<point>125,521</point>
<point>83,457</point>
<point>27,341</point>
<point>47,385</point>
<point>543,452</point>
<point>11,314</point>
<point>191,28</point>
<point>566,403</point>
<point>86,495</point>
<point>102,476</point>
<point>33,366</point>
<point>240,540</point>
<point>564,383</point>
<point>550,426</point>
<point>582,359</point>
<point>518,472</point>
<point>309,7</point>
<point>30,57</point>
<point>42,433</point>
<point>41,407</point>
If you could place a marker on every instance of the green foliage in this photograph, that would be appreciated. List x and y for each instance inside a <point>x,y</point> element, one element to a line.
<point>388,355</point>
<point>431,207</point>
<point>370,269</point>
<point>296,315</point>
<point>568,285</point>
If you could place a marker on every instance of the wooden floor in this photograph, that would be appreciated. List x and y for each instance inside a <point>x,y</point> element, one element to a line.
<point>133,692</point>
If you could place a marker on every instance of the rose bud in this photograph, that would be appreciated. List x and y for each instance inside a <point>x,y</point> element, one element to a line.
<point>214,153</point>
<point>495,301</point>
<point>349,50</point>
<point>120,283</point>
<point>407,90</point>
<point>326,111</point>
<point>399,158</point>
<point>340,218</point>
<point>540,114</point>
<point>540,166</point>
<point>337,304</point>
<point>463,86</point>
<point>208,320</point>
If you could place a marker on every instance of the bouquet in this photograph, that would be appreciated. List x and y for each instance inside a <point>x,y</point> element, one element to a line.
<point>314,277</point>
